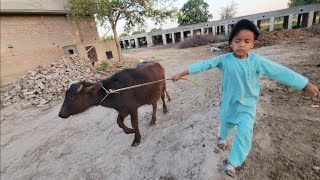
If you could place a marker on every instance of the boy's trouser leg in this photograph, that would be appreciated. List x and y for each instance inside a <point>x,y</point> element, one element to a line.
<point>241,144</point>
<point>226,129</point>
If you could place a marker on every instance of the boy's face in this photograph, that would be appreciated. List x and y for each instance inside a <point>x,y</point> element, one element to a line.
<point>242,43</point>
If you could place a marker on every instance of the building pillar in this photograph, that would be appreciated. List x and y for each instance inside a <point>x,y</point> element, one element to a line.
<point>202,31</point>
<point>290,21</point>
<point>124,44</point>
<point>173,39</point>
<point>213,30</point>
<point>136,42</point>
<point>182,36</point>
<point>149,41</point>
<point>164,39</point>
<point>226,30</point>
<point>310,18</point>
<point>271,23</point>
<point>255,22</point>
<point>191,33</point>
<point>129,43</point>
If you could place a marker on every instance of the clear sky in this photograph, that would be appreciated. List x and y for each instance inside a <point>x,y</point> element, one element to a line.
<point>244,7</point>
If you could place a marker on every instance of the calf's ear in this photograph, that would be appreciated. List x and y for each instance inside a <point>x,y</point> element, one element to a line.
<point>86,84</point>
<point>94,88</point>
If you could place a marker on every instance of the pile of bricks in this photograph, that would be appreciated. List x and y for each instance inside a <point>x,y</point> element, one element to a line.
<point>49,82</point>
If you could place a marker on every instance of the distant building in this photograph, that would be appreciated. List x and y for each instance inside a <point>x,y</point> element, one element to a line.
<point>35,32</point>
<point>295,17</point>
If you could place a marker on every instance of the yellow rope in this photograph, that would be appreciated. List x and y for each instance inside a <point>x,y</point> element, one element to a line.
<point>207,92</point>
<point>135,86</point>
<point>207,89</point>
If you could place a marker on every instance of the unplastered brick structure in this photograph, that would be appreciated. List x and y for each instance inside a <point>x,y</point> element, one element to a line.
<point>39,32</point>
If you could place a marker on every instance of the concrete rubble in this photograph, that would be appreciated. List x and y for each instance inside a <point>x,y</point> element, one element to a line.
<point>48,82</point>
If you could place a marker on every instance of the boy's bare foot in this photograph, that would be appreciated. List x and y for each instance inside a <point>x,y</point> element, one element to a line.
<point>222,144</point>
<point>243,166</point>
<point>228,168</point>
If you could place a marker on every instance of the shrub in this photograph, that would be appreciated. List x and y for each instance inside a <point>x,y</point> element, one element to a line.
<point>195,41</point>
<point>220,38</point>
<point>201,40</point>
<point>103,66</point>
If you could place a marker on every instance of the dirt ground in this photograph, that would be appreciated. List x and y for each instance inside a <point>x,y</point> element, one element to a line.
<point>37,144</point>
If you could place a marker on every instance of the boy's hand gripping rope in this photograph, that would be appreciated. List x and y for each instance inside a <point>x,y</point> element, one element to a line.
<point>112,91</point>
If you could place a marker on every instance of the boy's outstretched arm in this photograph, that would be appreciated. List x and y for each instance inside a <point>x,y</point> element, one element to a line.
<point>312,89</point>
<point>180,75</point>
<point>199,67</point>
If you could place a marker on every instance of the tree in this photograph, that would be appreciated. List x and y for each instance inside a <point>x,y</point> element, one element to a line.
<point>193,12</point>
<point>124,34</point>
<point>294,3</point>
<point>156,29</point>
<point>108,38</point>
<point>229,11</point>
<point>139,31</point>
<point>134,12</point>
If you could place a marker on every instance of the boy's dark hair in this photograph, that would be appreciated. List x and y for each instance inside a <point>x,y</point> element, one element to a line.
<point>241,25</point>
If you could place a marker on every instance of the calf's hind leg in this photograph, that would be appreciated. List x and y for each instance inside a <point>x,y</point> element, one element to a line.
<point>154,114</point>
<point>135,125</point>
<point>164,105</point>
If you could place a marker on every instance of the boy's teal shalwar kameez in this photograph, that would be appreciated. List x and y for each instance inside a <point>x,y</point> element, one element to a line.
<point>240,92</point>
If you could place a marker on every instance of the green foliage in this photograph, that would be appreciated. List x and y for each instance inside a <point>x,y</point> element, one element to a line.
<point>156,29</point>
<point>193,12</point>
<point>108,38</point>
<point>124,34</point>
<point>294,3</point>
<point>134,12</point>
<point>103,66</point>
<point>139,31</point>
<point>220,38</point>
<point>80,9</point>
<point>229,11</point>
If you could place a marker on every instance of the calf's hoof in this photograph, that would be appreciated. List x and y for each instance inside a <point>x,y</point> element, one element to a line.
<point>135,143</point>
<point>165,110</point>
<point>152,124</point>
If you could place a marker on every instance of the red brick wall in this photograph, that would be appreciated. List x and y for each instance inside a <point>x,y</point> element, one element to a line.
<point>30,40</point>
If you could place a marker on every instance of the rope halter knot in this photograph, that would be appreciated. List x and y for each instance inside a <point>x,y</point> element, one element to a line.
<point>111,91</point>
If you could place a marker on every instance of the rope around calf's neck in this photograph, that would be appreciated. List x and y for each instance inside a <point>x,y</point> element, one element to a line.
<point>112,91</point>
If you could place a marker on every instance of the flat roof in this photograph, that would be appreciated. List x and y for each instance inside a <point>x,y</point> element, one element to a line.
<point>33,7</point>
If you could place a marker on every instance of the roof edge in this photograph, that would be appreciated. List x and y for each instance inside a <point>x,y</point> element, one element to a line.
<point>32,11</point>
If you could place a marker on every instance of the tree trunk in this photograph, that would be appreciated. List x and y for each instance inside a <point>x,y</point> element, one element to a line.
<point>116,39</point>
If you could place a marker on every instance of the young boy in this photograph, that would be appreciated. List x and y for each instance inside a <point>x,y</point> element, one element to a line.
<point>240,89</point>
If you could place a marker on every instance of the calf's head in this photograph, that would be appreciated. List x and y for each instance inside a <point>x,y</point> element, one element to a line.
<point>79,97</point>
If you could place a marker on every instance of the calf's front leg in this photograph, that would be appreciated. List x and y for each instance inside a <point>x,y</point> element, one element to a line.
<point>121,124</point>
